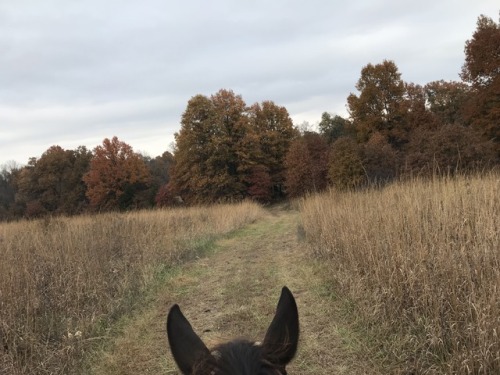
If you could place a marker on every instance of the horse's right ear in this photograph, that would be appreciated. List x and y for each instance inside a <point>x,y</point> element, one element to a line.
<point>282,337</point>
<point>185,345</point>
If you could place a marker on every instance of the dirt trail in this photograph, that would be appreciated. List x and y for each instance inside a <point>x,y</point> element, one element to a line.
<point>233,293</point>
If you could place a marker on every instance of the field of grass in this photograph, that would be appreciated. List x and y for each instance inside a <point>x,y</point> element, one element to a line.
<point>421,263</point>
<point>63,281</point>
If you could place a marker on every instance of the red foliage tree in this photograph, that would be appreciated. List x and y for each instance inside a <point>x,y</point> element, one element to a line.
<point>307,165</point>
<point>380,160</point>
<point>449,149</point>
<point>260,184</point>
<point>116,173</point>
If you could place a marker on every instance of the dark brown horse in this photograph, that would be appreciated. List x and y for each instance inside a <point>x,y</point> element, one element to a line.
<point>238,357</point>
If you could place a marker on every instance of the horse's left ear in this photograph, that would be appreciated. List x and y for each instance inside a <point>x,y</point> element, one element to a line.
<point>185,344</point>
<point>282,337</point>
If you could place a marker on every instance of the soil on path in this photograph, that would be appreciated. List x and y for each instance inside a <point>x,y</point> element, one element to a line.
<point>233,292</point>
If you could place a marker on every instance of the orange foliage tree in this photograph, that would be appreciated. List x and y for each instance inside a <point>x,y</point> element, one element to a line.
<point>116,174</point>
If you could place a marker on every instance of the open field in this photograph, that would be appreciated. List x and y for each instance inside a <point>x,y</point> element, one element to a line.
<point>64,281</point>
<point>400,280</point>
<point>421,263</point>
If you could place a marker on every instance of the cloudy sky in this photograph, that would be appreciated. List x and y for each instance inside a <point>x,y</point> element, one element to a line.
<point>75,72</point>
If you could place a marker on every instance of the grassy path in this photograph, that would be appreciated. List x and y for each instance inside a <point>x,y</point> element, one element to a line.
<point>232,292</point>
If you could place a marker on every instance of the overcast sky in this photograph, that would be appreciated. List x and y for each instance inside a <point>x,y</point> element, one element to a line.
<point>75,72</point>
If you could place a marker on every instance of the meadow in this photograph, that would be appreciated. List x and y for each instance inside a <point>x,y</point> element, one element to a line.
<point>65,281</point>
<point>419,262</point>
<point>415,266</point>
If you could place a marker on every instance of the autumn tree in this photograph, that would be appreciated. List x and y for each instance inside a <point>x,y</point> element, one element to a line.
<point>271,131</point>
<point>481,70</point>
<point>260,184</point>
<point>298,169</point>
<point>307,165</point>
<point>159,169</point>
<point>380,104</point>
<point>345,167</point>
<point>53,183</point>
<point>449,149</point>
<point>415,109</point>
<point>206,157</point>
<point>116,174</point>
<point>227,151</point>
<point>379,159</point>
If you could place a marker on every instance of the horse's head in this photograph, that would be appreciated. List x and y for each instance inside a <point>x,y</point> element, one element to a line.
<point>239,357</point>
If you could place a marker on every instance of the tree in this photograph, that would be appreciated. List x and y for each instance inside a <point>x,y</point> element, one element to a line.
<point>260,184</point>
<point>7,190</point>
<point>53,183</point>
<point>449,149</point>
<point>159,170</point>
<point>380,105</point>
<point>272,131</point>
<point>445,100</point>
<point>380,160</point>
<point>298,169</point>
<point>332,128</point>
<point>482,71</point>
<point>207,162</point>
<point>482,54</point>
<point>345,169</point>
<point>116,174</point>
<point>307,165</point>
<point>415,110</point>
<point>227,151</point>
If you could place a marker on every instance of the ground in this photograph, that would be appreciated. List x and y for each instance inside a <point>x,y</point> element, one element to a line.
<point>232,291</point>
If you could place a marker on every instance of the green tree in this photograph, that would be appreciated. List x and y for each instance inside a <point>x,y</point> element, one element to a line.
<point>345,169</point>
<point>446,99</point>
<point>332,128</point>
<point>8,190</point>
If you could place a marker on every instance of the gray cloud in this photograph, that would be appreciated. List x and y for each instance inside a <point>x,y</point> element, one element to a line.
<point>73,73</point>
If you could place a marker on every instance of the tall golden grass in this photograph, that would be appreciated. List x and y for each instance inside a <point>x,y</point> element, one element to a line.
<point>421,258</point>
<point>63,281</point>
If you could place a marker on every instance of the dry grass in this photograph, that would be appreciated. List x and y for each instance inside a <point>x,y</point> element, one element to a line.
<point>64,280</point>
<point>421,260</point>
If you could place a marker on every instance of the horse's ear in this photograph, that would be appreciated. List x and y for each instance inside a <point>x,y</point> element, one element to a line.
<point>185,345</point>
<point>282,337</point>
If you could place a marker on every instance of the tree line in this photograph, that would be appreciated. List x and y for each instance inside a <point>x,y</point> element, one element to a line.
<point>227,150</point>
